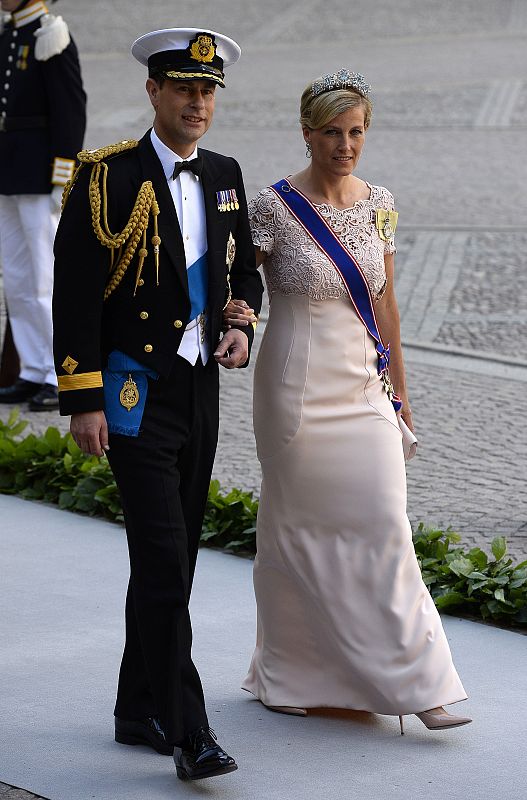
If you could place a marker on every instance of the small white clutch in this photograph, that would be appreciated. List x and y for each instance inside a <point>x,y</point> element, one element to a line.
<point>409,440</point>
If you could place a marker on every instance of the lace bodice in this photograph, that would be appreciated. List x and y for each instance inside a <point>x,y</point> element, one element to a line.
<point>295,265</point>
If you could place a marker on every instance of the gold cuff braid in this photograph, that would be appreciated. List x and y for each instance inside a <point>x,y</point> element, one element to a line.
<point>84,380</point>
<point>136,227</point>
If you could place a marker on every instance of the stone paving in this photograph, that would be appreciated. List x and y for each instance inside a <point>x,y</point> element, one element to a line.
<point>448,138</point>
<point>12,793</point>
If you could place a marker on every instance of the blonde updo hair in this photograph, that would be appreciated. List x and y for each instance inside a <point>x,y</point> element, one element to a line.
<point>315,112</point>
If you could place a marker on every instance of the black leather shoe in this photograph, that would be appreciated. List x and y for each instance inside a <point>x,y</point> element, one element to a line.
<point>200,756</point>
<point>147,731</point>
<point>20,391</point>
<point>46,399</point>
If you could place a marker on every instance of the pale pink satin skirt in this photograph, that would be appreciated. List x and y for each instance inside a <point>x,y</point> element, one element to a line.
<point>344,618</point>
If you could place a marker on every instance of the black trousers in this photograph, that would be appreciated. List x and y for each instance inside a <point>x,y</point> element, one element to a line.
<point>163,477</point>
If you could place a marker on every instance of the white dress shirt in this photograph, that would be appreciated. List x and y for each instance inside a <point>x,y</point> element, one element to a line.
<point>187,195</point>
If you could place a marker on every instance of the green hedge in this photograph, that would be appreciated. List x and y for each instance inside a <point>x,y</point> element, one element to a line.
<point>52,468</point>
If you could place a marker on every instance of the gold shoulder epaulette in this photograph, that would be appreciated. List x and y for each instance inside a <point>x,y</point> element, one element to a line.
<point>99,154</point>
<point>133,237</point>
<point>96,157</point>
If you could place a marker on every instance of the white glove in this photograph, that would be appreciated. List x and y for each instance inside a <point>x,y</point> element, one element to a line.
<point>56,199</point>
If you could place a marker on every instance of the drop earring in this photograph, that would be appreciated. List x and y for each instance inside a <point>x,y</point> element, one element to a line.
<point>308,150</point>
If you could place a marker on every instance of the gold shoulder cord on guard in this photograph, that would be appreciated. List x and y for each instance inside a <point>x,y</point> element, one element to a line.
<point>135,228</point>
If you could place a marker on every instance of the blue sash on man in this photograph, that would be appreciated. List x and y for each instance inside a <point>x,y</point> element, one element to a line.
<point>197,275</point>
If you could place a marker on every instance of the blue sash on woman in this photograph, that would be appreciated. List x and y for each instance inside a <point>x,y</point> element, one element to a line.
<point>354,280</point>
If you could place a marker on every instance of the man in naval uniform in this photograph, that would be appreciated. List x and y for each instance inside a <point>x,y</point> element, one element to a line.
<point>153,238</point>
<point>42,123</point>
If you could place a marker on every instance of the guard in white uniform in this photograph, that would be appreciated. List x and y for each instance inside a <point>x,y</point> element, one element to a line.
<point>42,124</point>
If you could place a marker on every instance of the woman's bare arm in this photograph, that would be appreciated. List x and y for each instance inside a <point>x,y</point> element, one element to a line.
<point>387,313</point>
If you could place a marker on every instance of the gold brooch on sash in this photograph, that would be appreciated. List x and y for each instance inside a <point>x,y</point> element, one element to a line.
<point>129,394</point>
<point>386,223</point>
<point>387,384</point>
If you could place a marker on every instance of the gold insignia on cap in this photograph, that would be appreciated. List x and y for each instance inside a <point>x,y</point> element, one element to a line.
<point>129,394</point>
<point>70,365</point>
<point>202,48</point>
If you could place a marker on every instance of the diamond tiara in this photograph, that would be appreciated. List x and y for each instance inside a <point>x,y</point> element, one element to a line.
<point>343,79</point>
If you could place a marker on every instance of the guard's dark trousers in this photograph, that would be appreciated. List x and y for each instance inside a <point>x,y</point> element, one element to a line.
<point>163,476</point>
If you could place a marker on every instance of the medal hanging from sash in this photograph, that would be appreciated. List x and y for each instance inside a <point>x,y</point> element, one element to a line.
<point>129,395</point>
<point>354,280</point>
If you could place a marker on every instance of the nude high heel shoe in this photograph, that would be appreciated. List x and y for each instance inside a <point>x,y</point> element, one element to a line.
<point>438,721</point>
<point>297,712</point>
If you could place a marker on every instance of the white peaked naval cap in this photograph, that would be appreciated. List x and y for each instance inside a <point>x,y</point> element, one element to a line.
<point>186,53</point>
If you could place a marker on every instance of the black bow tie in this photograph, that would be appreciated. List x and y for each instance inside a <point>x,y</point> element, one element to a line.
<point>195,165</point>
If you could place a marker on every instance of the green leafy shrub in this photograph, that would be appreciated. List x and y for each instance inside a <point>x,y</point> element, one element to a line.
<point>53,469</point>
<point>493,588</point>
<point>230,520</point>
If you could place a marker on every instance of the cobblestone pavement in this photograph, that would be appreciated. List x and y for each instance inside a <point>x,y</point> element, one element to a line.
<point>12,793</point>
<point>448,138</point>
<point>464,289</point>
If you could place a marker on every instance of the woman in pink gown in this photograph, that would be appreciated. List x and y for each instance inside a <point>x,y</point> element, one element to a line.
<point>344,618</point>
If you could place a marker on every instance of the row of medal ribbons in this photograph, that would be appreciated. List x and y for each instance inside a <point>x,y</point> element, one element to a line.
<point>227,200</point>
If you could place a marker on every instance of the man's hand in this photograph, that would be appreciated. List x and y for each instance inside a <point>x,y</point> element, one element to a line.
<point>233,350</point>
<point>90,432</point>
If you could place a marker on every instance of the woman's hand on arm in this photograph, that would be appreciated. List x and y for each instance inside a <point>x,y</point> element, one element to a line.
<point>237,312</point>
<point>387,313</point>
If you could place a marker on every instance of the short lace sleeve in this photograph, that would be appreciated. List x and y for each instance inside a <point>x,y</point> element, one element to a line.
<point>262,218</point>
<point>388,203</point>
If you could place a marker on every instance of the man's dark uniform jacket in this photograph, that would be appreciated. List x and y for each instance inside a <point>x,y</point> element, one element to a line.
<point>42,113</point>
<point>147,325</point>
